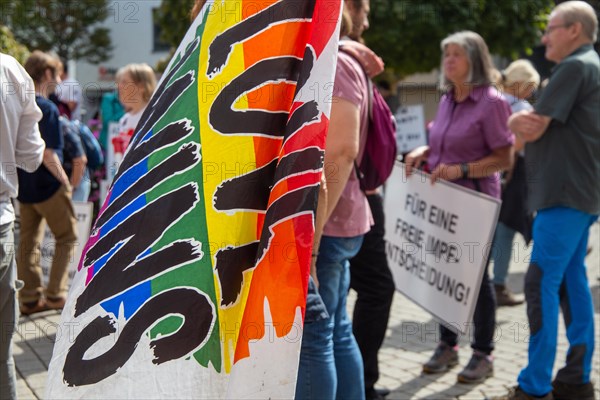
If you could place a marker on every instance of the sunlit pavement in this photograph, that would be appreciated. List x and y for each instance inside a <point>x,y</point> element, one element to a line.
<point>411,338</point>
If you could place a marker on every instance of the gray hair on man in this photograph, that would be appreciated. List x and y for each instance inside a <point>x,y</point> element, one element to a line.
<point>572,12</point>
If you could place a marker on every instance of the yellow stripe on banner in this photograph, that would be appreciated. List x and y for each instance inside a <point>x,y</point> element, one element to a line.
<point>224,157</point>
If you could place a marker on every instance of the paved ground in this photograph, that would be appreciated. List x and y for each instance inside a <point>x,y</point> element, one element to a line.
<point>410,340</point>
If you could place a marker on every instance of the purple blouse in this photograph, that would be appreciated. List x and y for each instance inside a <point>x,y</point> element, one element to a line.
<point>469,131</point>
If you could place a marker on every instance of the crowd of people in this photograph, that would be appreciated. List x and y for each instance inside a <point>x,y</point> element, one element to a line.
<point>482,134</point>
<point>40,134</point>
<point>542,160</point>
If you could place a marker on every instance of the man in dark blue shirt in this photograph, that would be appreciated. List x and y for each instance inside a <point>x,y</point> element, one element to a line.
<point>45,195</point>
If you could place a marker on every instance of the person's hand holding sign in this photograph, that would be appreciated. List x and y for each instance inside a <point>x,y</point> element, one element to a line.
<point>415,159</point>
<point>448,172</point>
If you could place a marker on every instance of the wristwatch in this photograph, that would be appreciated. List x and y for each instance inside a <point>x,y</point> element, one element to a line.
<point>464,168</point>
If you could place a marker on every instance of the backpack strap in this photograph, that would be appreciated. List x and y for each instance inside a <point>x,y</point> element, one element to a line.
<point>369,82</point>
<point>357,170</point>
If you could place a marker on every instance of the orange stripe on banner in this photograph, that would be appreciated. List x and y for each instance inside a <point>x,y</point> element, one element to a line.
<point>282,39</point>
<point>275,41</point>
<point>272,97</point>
<point>265,149</point>
<point>277,279</point>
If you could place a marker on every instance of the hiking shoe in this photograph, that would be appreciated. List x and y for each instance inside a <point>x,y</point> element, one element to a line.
<point>444,357</point>
<point>479,368</point>
<point>33,307</point>
<point>572,391</point>
<point>516,393</point>
<point>372,394</point>
<point>376,394</point>
<point>55,303</point>
<point>504,297</point>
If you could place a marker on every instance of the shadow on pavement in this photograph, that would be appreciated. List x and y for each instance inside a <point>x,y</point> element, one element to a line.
<point>596,298</point>
<point>412,387</point>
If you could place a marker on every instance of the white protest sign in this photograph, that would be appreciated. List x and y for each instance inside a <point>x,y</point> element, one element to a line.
<point>438,238</point>
<point>111,161</point>
<point>83,212</point>
<point>410,128</point>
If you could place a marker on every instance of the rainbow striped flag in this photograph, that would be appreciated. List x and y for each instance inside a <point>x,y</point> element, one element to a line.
<point>193,282</point>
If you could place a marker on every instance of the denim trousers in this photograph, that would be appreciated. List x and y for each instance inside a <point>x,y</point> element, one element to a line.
<point>502,249</point>
<point>557,277</point>
<point>8,312</point>
<point>330,361</point>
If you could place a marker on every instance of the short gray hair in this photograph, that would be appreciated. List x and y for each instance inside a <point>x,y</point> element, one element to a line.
<point>480,61</point>
<point>579,11</point>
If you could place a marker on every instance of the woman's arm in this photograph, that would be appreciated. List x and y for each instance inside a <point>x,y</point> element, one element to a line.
<point>499,160</point>
<point>320,219</point>
<point>341,149</point>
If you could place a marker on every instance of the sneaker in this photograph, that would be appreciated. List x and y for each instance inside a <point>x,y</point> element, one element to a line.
<point>33,307</point>
<point>444,357</point>
<point>55,303</point>
<point>479,368</point>
<point>516,393</point>
<point>505,297</point>
<point>572,391</point>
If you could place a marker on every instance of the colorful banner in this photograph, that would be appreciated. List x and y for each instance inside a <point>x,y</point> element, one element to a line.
<point>193,283</point>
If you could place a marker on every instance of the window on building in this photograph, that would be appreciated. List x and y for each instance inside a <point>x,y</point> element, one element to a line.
<point>158,43</point>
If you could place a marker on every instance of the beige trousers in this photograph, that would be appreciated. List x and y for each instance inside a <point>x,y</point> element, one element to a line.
<point>58,213</point>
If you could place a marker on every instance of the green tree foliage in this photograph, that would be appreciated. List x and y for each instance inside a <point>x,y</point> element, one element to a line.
<point>71,28</point>
<point>173,18</point>
<point>407,33</point>
<point>10,46</point>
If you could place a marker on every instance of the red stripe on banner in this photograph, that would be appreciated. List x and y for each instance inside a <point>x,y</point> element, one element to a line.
<point>327,13</point>
<point>293,183</point>
<point>310,135</point>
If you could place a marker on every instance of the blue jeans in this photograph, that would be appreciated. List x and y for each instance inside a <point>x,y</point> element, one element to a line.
<point>82,191</point>
<point>557,276</point>
<point>502,248</point>
<point>330,361</point>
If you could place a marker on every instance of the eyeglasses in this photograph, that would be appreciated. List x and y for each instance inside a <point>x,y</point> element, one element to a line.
<point>549,29</point>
